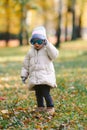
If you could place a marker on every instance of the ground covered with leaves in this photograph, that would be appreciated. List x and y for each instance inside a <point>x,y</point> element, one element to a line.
<point>70,96</point>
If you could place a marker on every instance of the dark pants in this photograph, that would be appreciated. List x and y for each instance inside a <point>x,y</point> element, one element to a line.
<point>43,92</point>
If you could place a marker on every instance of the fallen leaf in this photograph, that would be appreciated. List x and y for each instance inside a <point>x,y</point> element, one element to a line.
<point>2,98</point>
<point>4,111</point>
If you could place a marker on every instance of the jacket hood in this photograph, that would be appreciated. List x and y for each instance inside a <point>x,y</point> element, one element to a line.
<point>39,32</point>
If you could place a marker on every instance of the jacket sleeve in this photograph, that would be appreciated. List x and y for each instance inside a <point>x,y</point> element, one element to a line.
<point>25,67</point>
<point>52,51</point>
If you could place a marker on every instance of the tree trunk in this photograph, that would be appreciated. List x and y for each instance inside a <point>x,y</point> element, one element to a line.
<point>7,37</point>
<point>58,32</point>
<point>78,27</point>
<point>66,24</point>
<point>7,19</point>
<point>20,38</point>
<point>73,21</point>
<point>23,36</point>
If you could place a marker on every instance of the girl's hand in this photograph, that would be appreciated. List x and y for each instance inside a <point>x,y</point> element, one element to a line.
<point>23,79</point>
<point>45,42</point>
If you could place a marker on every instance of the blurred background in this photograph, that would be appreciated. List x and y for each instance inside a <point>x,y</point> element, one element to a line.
<point>64,20</point>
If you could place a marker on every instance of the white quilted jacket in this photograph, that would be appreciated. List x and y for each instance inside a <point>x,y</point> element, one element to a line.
<point>38,66</point>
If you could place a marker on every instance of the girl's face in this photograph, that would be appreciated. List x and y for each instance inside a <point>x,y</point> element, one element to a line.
<point>38,46</point>
<point>38,43</point>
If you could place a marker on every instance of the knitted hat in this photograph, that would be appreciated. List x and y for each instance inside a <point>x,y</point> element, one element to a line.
<point>39,32</point>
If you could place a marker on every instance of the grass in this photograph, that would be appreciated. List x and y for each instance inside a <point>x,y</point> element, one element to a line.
<point>70,97</point>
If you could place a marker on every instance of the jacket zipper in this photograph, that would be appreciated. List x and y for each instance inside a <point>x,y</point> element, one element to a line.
<point>36,61</point>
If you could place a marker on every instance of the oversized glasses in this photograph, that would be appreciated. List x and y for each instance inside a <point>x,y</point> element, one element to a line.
<point>39,41</point>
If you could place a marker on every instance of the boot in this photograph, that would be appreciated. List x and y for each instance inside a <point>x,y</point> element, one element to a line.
<point>40,109</point>
<point>50,110</point>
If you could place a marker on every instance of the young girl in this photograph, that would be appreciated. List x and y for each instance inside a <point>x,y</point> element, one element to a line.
<point>38,67</point>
